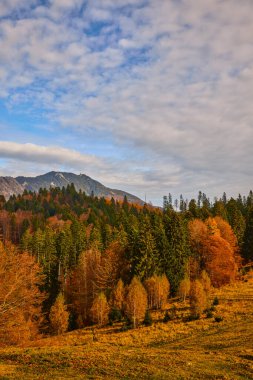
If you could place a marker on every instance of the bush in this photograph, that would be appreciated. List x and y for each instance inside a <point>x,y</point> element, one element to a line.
<point>218,318</point>
<point>126,327</point>
<point>167,317</point>
<point>115,315</point>
<point>209,314</point>
<point>148,319</point>
<point>215,301</point>
<point>193,317</point>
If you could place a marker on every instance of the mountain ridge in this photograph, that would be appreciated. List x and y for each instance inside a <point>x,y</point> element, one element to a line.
<point>16,185</point>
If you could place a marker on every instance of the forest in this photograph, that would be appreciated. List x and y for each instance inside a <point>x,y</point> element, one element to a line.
<point>68,260</point>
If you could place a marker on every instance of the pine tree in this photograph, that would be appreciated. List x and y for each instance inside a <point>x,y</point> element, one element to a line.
<point>247,249</point>
<point>147,255</point>
<point>175,261</point>
<point>236,220</point>
<point>59,316</point>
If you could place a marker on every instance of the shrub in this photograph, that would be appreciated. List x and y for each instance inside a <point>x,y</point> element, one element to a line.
<point>167,317</point>
<point>148,319</point>
<point>170,315</point>
<point>193,317</point>
<point>215,301</point>
<point>218,318</point>
<point>115,315</point>
<point>209,314</point>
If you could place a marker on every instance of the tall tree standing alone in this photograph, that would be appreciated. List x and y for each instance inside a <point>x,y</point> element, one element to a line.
<point>136,302</point>
<point>197,298</point>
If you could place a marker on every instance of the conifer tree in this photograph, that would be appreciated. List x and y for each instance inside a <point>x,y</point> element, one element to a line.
<point>147,255</point>
<point>175,261</point>
<point>247,249</point>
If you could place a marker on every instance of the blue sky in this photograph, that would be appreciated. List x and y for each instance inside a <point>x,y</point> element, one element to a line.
<point>148,96</point>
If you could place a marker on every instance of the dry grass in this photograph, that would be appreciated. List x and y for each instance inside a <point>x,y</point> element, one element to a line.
<point>201,349</point>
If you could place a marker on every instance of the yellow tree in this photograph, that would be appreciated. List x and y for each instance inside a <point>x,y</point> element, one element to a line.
<point>117,297</point>
<point>206,282</point>
<point>100,309</point>
<point>81,287</point>
<point>197,298</point>
<point>136,302</point>
<point>157,290</point>
<point>59,316</point>
<point>20,296</point>
<point>184,288</point>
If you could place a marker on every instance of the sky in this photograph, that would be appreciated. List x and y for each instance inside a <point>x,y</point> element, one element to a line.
<point>147,96</point>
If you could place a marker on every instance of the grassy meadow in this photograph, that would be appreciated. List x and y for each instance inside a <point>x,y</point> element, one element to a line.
<point>201,349</point>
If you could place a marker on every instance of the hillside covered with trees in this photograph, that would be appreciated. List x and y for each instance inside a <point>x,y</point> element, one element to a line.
<point>68,260</point>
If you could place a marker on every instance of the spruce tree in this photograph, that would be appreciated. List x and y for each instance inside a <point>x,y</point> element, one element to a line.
<point>247,249</point>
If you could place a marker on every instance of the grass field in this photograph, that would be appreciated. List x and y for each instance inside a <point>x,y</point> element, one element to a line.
<point>202,349</point>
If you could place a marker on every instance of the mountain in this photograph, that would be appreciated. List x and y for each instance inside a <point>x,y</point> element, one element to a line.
<point>9,185</point>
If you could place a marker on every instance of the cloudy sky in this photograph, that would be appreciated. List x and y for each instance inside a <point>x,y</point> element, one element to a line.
<point>148,96</point>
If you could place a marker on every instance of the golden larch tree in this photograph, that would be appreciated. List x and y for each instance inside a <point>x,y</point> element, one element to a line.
<point>157,288</point>
<point>20,296</point>
<point>184,288</point>
<point>100,309</point>
<point>198,299</point>
<point>117,297</point>
<point>59,316</point>
<point>205,281</point>
<point>136,302</point>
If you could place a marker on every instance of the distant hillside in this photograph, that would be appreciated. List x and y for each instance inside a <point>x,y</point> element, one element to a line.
<point>10,186</point>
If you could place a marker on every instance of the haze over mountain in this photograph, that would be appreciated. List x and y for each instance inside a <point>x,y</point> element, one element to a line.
<point>10,185</point>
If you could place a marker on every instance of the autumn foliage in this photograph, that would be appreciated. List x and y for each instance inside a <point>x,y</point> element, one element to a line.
<point>136,302</point>
<point>59,316</point>
<point>157,288</point>
<point>20,296</point>
<point>198,299</point>
<point>215,249</point>
<point>100,309</point>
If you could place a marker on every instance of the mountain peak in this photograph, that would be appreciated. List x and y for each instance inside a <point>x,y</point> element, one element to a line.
<point>10,185</point>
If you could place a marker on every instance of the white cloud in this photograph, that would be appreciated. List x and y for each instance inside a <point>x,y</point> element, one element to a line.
<point>48,154</point>
<point>170,79</point>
